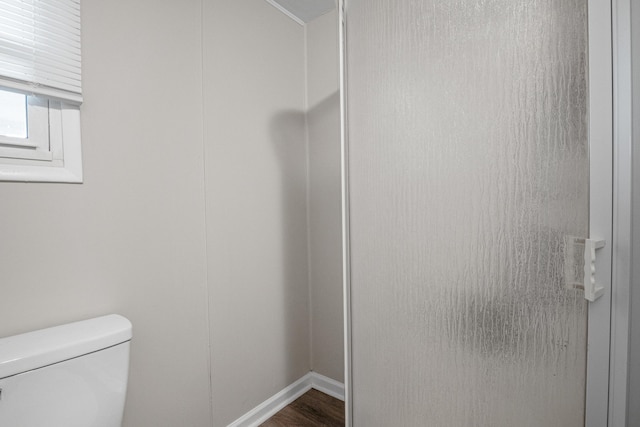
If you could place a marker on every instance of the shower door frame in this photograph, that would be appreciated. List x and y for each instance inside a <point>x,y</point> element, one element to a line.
<point>599,403</point>
<point>624,216</point>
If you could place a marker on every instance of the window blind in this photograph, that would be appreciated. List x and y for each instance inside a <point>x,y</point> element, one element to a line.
<point>40,47</point>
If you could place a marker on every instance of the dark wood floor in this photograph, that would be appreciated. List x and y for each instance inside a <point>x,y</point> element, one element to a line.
<point>312,409</point>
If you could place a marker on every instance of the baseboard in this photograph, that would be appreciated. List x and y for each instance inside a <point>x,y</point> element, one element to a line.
<point>271,406</point>
<point>327,385</point>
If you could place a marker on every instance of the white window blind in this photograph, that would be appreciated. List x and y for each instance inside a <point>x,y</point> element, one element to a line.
<point>40,48</point>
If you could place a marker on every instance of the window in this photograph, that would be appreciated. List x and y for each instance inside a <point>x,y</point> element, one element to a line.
<point>39,139</point>
<point>40,91</point>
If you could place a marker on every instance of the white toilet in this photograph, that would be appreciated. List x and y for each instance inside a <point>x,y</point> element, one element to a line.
<point>73,375</point>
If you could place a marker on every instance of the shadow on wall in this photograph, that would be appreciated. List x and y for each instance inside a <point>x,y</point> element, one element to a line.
<point>311,237</point>
<point>323,120</point>
<point>287,135</point>
<point>325,234</point>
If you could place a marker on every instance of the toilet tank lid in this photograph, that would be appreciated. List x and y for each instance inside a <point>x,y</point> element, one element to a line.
<point>32,350</point>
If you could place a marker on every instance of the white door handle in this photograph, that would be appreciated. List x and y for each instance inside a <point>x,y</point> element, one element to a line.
<point>592,291</point>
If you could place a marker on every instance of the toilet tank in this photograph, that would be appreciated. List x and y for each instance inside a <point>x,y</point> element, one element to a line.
<point>73,375</point>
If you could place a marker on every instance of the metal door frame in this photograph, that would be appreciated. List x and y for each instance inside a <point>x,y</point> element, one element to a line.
<point>600,206</point>
<point>622,277</point>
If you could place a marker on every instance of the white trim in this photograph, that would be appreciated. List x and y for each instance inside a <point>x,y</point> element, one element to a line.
<point>327,385</point>
<point>71,136</point>
<point>65,125</point>
<point>271,406</point>
<point>622,210</point>
<point>633,391</point>
<point>346,261</point>
<point>307,148</point>
<point>277,402</point>
<point>36,145</point>
<point>600,109</point>
<point>285,11</point>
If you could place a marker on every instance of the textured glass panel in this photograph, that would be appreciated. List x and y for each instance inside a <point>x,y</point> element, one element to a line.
<point>468,172</point>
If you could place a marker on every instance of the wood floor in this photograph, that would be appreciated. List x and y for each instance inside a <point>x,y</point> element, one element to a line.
<point>312,409</point>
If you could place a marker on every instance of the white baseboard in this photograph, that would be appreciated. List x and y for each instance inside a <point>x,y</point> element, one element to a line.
<point>327,385</point>
<point>271,406</point>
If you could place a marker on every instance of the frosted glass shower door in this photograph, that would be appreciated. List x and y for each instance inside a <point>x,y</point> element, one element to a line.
<point>468,170</point>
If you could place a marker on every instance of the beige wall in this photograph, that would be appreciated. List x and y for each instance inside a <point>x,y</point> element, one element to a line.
<point>210,264</point>
<point>255,152</point>
<point>323,120</point>
<point>131,239</point>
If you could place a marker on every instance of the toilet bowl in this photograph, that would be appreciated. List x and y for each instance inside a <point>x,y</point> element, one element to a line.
<point>73,375</point>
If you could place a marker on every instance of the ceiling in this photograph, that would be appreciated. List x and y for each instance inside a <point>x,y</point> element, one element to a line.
<point>303,11</point>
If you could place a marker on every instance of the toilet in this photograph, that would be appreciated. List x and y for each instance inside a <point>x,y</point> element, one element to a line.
<point>74,375</point>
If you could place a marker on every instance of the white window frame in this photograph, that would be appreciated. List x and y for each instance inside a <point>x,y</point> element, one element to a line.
<point>36,146</point>
<point>52,152</point>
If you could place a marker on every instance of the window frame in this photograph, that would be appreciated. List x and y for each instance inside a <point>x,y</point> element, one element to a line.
<point>52,152</point>
<point>37,144</point>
